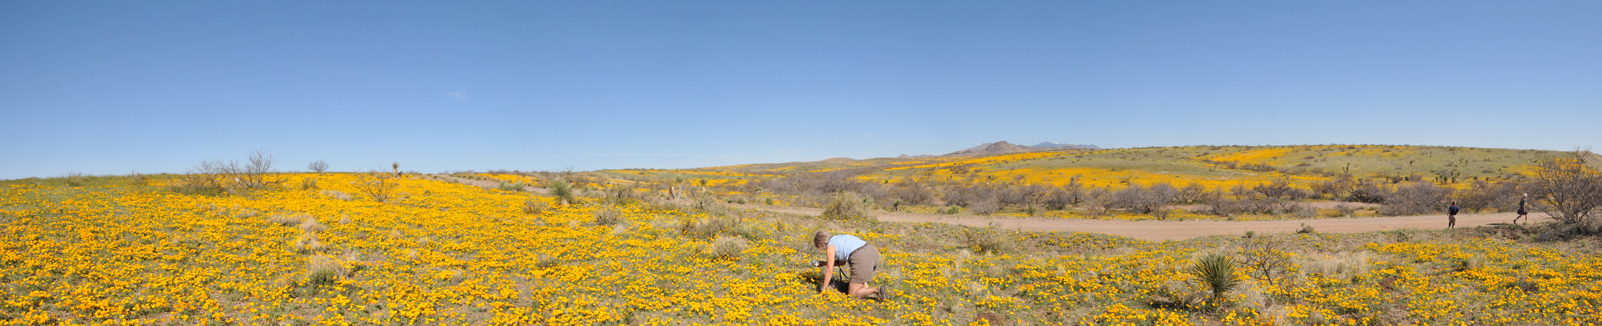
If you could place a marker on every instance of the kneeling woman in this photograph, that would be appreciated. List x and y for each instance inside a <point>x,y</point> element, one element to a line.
<point>862,257</point>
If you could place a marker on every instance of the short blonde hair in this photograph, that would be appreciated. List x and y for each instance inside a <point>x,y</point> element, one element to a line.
<point>821,239</point>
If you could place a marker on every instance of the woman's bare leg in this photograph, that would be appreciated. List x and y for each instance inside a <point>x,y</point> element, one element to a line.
<point>858,290</point>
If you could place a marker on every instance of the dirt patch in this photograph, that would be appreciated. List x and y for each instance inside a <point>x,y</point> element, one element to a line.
<point>1179,230</point>
<point>487,183</point>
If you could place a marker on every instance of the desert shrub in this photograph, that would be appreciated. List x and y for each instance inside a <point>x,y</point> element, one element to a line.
<point>1568,189</point>
<point>1368,192</point>
<point>562,190</point>
<point>75,179</point>
<point>608,215</point>
<point>630,193</point>
<point>1415,198</point>
<point>317,166</point>
<point>1279,190</point>
<point>1142,200</point>
<point>709,205</point>
<point>985,206</point>
<point>324,269</point>
<point>713,227</point>
<point>966,196</point>
<point>987,240</point>
<point>1304,211</point>
<point>1306,229</point>
<point>913,194</point>
<point>1482,195</point>
<point>308,183</point>
<point>1216,272</point>
<point>1265,259</point>
<point>510,186</point>
<point>1191,193</point>
<point>1344,210</point>
<point>848,206</point>
<point>535,206</point>
<point>952,210</point>
<point>727,248</point>
<point>378,186</point>
<point>1058,199</point>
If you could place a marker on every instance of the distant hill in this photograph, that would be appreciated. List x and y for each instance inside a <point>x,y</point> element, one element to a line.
<point>1065,146</point>
<point>1003,147</point>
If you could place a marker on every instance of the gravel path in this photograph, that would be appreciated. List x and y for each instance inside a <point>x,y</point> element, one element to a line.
<point>1178,230</point>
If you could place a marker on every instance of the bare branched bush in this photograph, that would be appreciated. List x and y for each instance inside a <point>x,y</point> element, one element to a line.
<point>1368,192</point>
<point>317,166</point>
<point>1415,198</point>
<point>218,177</point>
<point>1265,259</point>
<point>1482,195</point>
<point>1568,189</point>
<point>376,185</point>
<point>985,206</point>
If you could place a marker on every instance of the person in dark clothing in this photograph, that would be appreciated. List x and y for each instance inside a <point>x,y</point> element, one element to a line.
<point>1451,215</point>
<point>1523,212</point>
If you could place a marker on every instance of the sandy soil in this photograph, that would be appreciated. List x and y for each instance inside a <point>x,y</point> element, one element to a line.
<point>1178,230</point>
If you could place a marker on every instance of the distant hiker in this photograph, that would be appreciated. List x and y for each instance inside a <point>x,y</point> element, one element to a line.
<point>1451,215</point>
<point>863,259</point>
<point>1523,212</point>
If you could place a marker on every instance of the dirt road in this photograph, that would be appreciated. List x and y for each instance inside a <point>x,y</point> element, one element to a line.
<point>1178,230</point>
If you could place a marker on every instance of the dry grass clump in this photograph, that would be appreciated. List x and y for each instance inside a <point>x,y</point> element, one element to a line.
<point>1342,266</point>
<point>306,242</point>
<point>727,248</point>
<point>535,206</point>
<point>335,194</point>
<point>310,225</point>
<point>988,240</point>
<point>324,269</point>
<point>608,215</point>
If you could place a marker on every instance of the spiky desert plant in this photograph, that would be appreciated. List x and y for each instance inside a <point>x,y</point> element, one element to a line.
<point>562,190</point>
<point>1216,272</point>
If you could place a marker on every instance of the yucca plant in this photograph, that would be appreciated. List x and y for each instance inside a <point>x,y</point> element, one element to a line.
<point>562,190</point>
<point>1216,272</point>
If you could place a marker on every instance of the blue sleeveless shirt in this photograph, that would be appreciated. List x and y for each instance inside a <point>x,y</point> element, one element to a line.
<point>844,245</point>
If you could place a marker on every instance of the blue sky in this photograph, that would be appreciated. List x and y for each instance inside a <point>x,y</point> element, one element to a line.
<point>117,87</point>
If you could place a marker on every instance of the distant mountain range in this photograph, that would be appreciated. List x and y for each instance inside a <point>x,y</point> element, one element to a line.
<point>1003,147</point>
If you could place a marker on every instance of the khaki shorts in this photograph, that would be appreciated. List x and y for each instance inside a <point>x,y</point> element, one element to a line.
<point>863,262</point>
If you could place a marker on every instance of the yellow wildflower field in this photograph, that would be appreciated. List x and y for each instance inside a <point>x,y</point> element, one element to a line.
<point>113,251</point>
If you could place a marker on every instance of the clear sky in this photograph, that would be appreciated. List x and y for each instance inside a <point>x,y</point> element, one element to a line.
<point>112,87</point>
